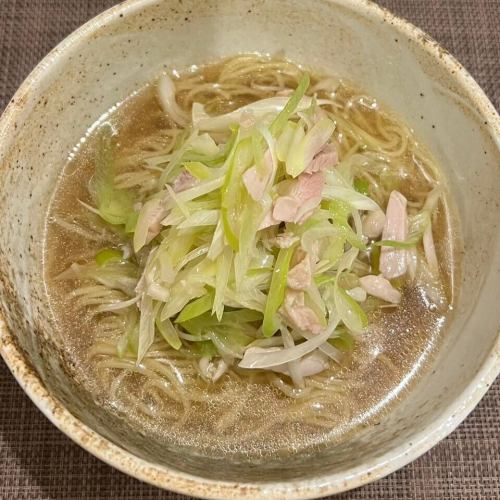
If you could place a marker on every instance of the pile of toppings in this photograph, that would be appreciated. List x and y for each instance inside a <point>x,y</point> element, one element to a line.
<point>259,247</point>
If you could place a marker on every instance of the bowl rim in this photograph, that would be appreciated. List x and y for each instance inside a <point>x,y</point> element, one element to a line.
<point>175,480</point>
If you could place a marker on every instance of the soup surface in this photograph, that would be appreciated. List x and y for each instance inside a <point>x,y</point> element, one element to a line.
<point>173,395</point>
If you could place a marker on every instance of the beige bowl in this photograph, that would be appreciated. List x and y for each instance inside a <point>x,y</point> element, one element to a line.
<point>119,51</point>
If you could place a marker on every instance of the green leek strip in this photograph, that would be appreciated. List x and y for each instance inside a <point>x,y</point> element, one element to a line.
<point>276,291</point>
<point>168,332</point>
<point>361,186</point>
<point>284,141</point>
<point>231,237</point>
<point>304,146</point>
<point>223,269</point>
<point>280,121</point>
<point>324,279</point>
<point>242,316</point>
<point>344,341</point>
<point>196,308</point>
<point>258,150</point>
<point>204,349</point>
<point>114,205</point>
<point>107,255</point>
<point>131,223</point>
<point>238,160</point>
<point>340,212</point>
<point>198,170</point>
<point>397,244</point>
<point>349,310</point>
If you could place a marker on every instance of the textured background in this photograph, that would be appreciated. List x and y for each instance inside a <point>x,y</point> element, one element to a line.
<point>38,462</point>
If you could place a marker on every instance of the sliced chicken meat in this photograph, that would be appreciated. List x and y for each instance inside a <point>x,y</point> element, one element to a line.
<point>268,220</point>
<point>184,181</point>
<point>257,179</point>
<point>309,365</point>
<point>300,275</point>
<point>286,208</point>
<point>149,222</point>
<point>325,159</point>
<point>303,196</point>
<point>300,315</point>
<point>381,288</point>
<point>394,261</point>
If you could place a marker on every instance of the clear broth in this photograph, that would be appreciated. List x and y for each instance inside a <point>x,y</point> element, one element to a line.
<point>245,417</point>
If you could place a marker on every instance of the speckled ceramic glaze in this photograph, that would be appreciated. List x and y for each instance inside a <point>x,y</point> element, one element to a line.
<point>121,50</point>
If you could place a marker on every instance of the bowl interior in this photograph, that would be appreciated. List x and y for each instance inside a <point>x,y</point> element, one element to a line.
<point>119,53</point>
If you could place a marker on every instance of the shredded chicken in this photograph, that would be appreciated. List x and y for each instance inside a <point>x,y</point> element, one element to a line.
<point>300,196</point>
<point>157,213</point>
<point>300,275</point>
<point>303,196</point>
<point>309,365</point>
<point>184,181</point>
<point>326,158</point>
<point>379,287</point>
<point>300,315</point>
<point>257,179</point>
<point>394,261</point>
<point>268,220</point>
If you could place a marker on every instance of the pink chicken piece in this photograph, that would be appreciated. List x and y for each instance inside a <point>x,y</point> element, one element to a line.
<point>300,275</point>
<point>303,196</point>
<point>301,316</point>
<point>268,220</point>
<point>256,180</point>
<point>154,215</point>
<point>184,181</point>
<point>394,261</point>
<point>309,365</point>
<point>326,158</point>
<point>285,208</point>
<point>379,287</point>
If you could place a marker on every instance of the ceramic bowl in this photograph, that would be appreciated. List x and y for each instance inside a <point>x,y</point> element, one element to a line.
<point>123,48</point>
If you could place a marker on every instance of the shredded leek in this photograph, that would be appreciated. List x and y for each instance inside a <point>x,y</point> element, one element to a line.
<point>114,205</point>
<point>213,269</point>
<point>276,291</point>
